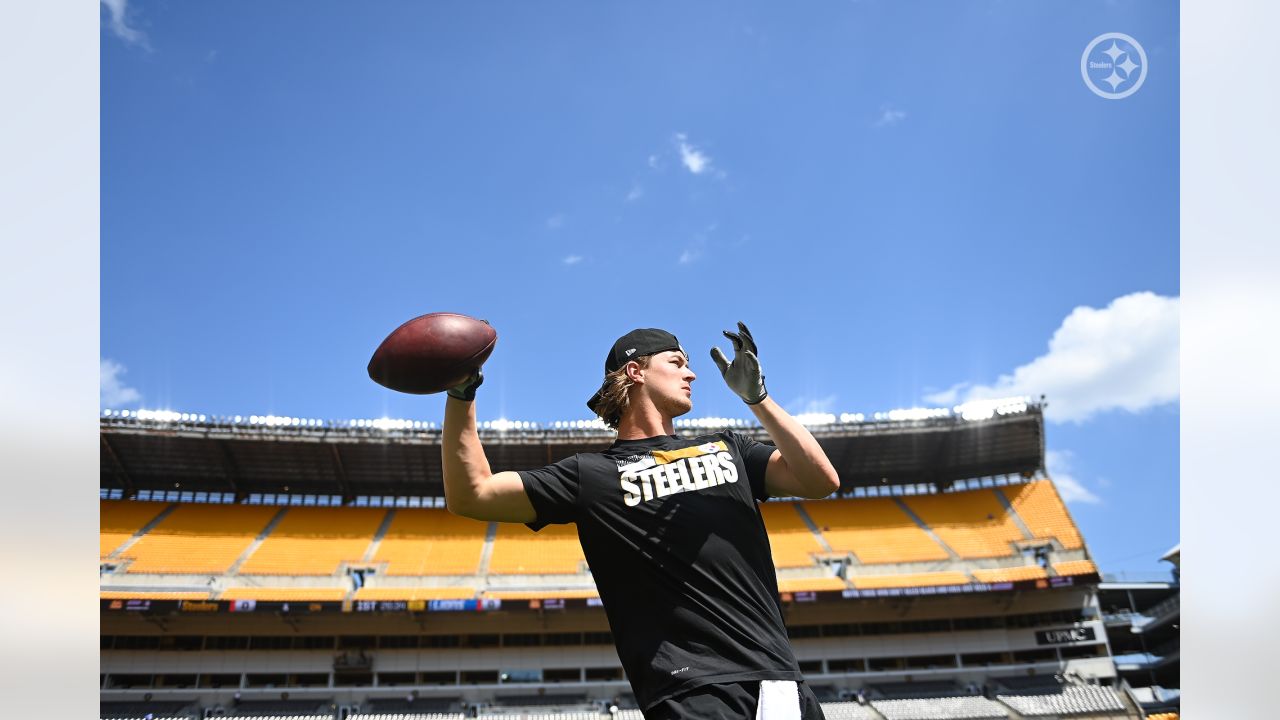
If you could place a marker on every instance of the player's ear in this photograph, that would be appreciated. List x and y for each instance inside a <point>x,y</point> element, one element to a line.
<point>634,372</point>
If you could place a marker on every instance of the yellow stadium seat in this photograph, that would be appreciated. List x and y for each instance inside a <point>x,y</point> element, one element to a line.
<point>872,582</point>
<point>1075,567</point>
<point>119,520</point>
<point>875,530</point>
<point>554,550</point>
<point>803,584</point>
<point>278,594</point>
<point>431,541</point>
<point>541,594</point>
<point>315,541</point>
<point>1014,574</point>
<point>147,595</point>
<point>197,538</point>
<point>1043,512</point>
<point>974,524</point>
<point>415,593</point>
<point>790,538</point>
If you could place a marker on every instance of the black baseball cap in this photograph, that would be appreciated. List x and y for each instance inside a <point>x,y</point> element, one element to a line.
<point>635,344</point>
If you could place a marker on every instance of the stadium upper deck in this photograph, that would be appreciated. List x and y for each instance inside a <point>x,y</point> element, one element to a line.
<point>905,530</point>
<point>981,539</point>
<point>244,455</point>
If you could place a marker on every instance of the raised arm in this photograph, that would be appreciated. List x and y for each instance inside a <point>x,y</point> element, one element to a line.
<point>799,467</point>
<point>471,489</point>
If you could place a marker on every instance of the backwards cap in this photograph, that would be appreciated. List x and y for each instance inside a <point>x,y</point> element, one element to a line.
<point>636,344</point>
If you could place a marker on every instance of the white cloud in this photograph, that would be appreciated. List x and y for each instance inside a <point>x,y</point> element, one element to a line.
<point>698,246</point>
<point>806,404</point>
<point>889,116</point>
<point>572,259</point>
<point>555,222</point>
<point>950,396</point>
<point>636,193</point>
<point>1058,465</point>
<point>694,160</point>
<point>1122,357</point>
<point>112,392</point>
<point>119,23</point>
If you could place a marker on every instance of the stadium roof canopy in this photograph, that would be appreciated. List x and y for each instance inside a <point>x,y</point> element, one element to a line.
<point>165,451</point>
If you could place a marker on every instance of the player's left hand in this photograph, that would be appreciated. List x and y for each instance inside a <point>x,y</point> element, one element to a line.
<point>743,375</point>
<point>467,390</point>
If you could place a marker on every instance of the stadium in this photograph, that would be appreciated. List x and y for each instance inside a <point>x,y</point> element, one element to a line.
<point>280,567</point>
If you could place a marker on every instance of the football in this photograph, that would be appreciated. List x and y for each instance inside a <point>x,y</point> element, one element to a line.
<point>432,353</point>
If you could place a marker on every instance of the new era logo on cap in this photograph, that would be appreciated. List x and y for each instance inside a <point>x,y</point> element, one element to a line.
<point>631,352</point>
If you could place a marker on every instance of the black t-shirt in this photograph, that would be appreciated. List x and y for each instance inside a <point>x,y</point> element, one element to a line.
<point>678,548</point>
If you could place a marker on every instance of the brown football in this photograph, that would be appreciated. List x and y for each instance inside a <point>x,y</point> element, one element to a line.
<point>432,353</point>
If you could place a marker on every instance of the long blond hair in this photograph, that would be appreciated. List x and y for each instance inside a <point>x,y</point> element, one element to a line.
<point>615,398</point>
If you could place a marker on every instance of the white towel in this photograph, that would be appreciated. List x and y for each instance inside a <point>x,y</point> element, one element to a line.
<point>779,700</point>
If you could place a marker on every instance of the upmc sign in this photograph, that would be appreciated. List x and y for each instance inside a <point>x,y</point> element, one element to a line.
<point>1064,635</point>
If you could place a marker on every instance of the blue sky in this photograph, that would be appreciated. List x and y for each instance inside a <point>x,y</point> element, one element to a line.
<point>910,203</point>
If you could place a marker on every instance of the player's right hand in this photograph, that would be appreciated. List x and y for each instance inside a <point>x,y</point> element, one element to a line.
<point>743,375</point>
<point>467,390</point>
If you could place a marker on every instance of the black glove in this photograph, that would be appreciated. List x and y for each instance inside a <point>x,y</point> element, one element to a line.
<point>467,390</point>
<point>743,375</point>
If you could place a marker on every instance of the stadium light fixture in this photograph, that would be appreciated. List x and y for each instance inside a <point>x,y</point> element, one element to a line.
<point>985,409</point>
<point>917,413</point>
<point>386,424</point>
